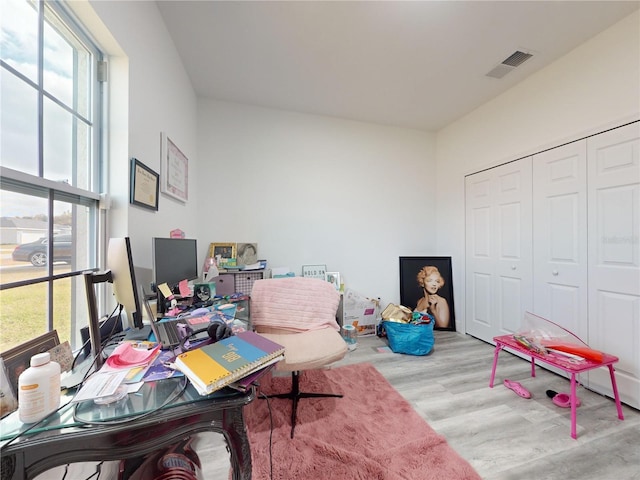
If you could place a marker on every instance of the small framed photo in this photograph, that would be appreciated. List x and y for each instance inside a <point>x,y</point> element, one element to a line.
<point>223,250</point>
<point>333,278</point>
<point>314,271</point>
<point>247,253</point>
<point>17,359</point>
<point>144,184</point>
<point>174,169</point>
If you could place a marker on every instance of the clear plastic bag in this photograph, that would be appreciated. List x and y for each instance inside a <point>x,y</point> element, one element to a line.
<point>543,336</point>
<point>539,330</point>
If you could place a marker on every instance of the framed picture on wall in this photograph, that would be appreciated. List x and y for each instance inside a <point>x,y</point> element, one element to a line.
<point>174,170</point>
<point>143,185</point>
<point>426,285</point>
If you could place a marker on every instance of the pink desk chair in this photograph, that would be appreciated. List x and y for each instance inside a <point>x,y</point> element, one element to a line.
<point>300,314</point>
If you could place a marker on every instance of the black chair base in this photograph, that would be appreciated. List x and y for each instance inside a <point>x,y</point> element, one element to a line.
<point>295,395</point>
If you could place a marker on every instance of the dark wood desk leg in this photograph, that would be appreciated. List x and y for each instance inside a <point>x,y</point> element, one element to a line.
<point>12,467</point>
<point>234,430</point>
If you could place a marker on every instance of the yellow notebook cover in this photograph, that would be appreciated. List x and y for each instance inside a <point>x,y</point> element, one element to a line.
<point>203,367</point>
<point>216,365</point>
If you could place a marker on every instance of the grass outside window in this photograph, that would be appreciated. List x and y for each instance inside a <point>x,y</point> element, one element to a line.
<point>23,309</point>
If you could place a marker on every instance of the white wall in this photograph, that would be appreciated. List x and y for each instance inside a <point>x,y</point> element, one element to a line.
<point>150,93</point>
<point>317,190</point>
<point>312,189</point>
<point>307,189</point>
<point>594,87</point>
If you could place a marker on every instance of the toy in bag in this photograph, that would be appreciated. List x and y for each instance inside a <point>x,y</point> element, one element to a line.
<point>407,332</point>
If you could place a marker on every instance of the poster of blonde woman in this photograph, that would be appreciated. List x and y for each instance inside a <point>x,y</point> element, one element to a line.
<point>426,287</point>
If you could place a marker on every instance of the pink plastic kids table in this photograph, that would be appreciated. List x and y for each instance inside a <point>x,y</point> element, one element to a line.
<point>507,341</point>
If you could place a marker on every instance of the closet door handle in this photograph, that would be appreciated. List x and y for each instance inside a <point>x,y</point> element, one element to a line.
<point>513,267</point>
<point>554,273</point>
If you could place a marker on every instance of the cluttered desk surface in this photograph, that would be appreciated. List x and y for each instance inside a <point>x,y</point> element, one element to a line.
<point>146,382</point>
<point>126,402</point>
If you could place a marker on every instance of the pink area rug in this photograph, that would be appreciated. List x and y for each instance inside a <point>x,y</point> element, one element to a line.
<point>371,433</point>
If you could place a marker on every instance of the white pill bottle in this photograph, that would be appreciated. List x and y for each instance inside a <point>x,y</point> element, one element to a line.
<point>38,389</point>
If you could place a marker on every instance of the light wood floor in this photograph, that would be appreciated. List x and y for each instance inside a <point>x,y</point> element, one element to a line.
<point>502,435</point>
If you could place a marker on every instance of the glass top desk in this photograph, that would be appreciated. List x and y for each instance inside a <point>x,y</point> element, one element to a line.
<point>139,424</point>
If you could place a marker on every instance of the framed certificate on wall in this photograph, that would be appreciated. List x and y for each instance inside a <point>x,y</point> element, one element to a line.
<point>174,170</point>
<point>144,185</point>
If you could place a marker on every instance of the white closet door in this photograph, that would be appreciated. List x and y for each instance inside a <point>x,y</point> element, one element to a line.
<point>498,249</point>
<point>559,236</point>
<point>480,255</point>
<point>614,257</point>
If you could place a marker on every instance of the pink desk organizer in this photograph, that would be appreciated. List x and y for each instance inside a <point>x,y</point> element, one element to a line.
<point>507,341</point>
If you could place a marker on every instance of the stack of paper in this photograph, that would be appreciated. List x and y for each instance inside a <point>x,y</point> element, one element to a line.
<point>127,364</point>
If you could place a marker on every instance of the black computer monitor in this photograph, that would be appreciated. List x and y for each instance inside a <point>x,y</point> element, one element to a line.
<point>174,260</point>
<point>125,287</point>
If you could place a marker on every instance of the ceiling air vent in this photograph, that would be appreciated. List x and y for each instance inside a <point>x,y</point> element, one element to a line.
<point>514,60</point>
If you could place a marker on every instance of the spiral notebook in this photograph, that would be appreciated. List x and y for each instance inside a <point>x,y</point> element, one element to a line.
<point>214,366</point>
<point>245,383</point>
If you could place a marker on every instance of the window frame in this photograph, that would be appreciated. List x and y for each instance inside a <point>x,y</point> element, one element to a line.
<point>12,180</point>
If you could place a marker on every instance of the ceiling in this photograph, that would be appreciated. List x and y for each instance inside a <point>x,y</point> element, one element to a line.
<point>413,64</point>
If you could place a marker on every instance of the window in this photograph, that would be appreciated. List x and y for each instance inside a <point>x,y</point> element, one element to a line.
<point>50,138</point>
